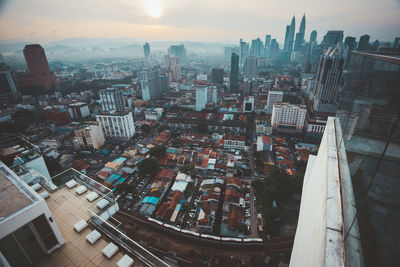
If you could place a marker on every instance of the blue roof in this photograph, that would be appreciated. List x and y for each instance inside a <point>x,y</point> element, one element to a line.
<point>151,200</point>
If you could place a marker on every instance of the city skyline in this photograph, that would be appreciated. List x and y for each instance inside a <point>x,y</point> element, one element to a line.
<point>172,20</point>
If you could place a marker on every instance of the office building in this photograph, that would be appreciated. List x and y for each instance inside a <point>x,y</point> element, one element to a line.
<point>7,84</point>
<point>332,39</point>
<point>78,110</point>
<point>117,125</point>
<point>326,91</point>
<point>217,76</point>
<point>111,99</point>
<point>28,231</point>
<point>90,135</point>
<point>396,44</point>
<point>313,36</point>
<point>273,97</point>
<point>363,44</point>
<point>250,67</point>
<point>146,50</point>
<point>201,97</point>
<point>286,43</point>
<point>234,77</point>
<point>39,79</point>
<point>165,84</point>
<point>288,118</point>
<point>150,83</point>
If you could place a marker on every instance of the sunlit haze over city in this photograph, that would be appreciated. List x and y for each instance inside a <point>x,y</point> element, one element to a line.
<point>168,133</point>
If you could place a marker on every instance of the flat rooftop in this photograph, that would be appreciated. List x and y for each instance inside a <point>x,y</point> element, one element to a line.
<point>68,208</point>
<point>12,198</point>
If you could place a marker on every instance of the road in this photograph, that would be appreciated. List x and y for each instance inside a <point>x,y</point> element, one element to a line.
<point>253,211</point>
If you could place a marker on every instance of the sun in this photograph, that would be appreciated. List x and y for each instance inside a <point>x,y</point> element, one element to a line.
<point>153,8</point>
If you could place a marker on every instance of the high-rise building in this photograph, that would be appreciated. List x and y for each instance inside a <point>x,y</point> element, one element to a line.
<point>150,83</point>
<point>331,39</point>
<point>267,40</point>
<point>39,77</point>
<point>146,50</point>
<point>165,84</point>
<point>111,99</point>
<point>288,118</point>
<point>363,43</point>
<point>291,36</point>
<point>350,42</point>
<point>273,97</point>
<point>300,35</point>
<point>7,84</point>
<point>256,47</point>
<point>274,50</point>
<point>117,125</point>
<point>349,45</point>
<point>212,96</point>
<point>217,76</point>
<point>177,51</point>
<point>250,68</point>
<point>201,97</point>
<point>313,36</point>
<point>90,135</point>
<point>78,110</point>
<point>234,78</point>
<point>286,44</point>
<point>28,231</point>
<point>243,52</point>
<point>326,91</point>
<point>396,43</point>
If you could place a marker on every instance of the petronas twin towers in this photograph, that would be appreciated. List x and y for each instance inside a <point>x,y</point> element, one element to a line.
<point>292,44</point>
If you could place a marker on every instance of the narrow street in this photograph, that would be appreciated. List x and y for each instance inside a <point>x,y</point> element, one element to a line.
<point>253,211</point>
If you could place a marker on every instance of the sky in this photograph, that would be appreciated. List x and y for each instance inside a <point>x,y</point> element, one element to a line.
<point>193,20</point>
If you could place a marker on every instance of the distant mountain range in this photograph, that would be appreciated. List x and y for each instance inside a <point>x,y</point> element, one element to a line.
<point>85,48</point>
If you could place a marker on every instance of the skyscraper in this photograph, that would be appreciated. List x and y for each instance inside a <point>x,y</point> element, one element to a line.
<point>274,50</point>
<point>256,47</point>
<point>326,91</point>
<point>267,40</point>
<point>291,35</point>
<point>243,52</point>
<point>111,99</point>
<point>177,51</point>
<point>350,42</point>
<point>234,78</point>
<point>39,75</point>
<point>313,36</point>
<point>217,76</point>
<point>146,49</point>
<point>300,35</point>
<point>363,43</point>
<point>286,44</point>
<point>151,84</point>
<point>331,39</point>
<point>250,68</point>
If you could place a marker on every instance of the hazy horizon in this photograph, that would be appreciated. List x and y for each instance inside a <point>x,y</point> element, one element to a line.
<point>192,21</point>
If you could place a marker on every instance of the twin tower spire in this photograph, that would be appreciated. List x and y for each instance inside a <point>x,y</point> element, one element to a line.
<point>292,44</point>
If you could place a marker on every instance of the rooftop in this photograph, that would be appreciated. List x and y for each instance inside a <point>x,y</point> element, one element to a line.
<point>12,195</point>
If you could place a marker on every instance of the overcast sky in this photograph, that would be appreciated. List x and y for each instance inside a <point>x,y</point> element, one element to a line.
<point>193,20</point>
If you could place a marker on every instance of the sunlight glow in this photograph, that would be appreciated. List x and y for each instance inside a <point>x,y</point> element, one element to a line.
<point>153,8</point>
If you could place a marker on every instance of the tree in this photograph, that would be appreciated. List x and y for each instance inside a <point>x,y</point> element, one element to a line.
<point>157,151</point>
<point>146,128</point>
<point>148,166</point>
<point>186,169</point>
